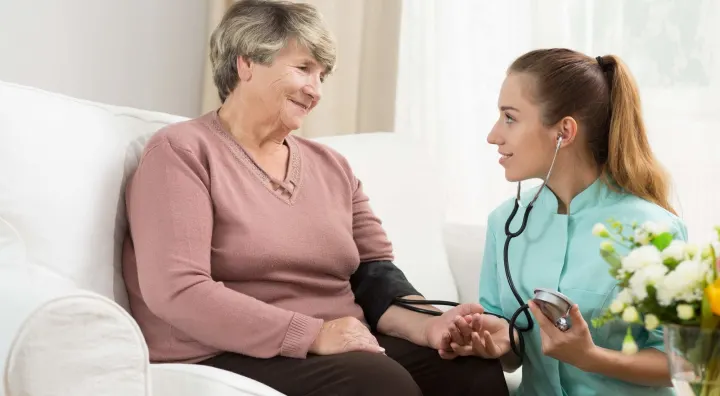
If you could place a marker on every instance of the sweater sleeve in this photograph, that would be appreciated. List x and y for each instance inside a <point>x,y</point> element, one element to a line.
<point>170,211</point>
<point>370,237</point>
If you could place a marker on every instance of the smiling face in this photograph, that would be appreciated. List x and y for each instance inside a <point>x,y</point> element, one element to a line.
<point>285,91</point>
<point>525,144</point>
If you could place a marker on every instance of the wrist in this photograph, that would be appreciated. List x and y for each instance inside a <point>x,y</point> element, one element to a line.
<point>589,360</point>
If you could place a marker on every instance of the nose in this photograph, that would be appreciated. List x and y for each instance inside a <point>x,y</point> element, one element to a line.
<point>314,89</point>
<point>494,137</point>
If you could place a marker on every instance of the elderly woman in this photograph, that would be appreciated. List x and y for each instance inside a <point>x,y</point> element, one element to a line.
<point>257,252</point>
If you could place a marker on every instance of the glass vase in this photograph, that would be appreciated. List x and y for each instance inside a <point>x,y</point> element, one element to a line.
<point>694,359</point>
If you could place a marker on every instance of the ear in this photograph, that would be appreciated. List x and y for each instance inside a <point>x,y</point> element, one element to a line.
<point>567,129</point>
<point>244,68</point>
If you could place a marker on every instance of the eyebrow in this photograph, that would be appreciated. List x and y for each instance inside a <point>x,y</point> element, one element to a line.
<point>503,108</point>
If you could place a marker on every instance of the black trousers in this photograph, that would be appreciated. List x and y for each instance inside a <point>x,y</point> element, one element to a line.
<point>405,370</point>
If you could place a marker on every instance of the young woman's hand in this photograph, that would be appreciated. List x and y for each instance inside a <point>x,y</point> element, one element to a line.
<point>486,336</point>
<point>569,346</point>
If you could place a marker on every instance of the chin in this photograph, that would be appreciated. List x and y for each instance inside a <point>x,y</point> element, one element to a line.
<point>514,177</point>
<point>293,123</point>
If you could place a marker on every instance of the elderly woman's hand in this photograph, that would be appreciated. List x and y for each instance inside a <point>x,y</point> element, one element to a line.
<point>344,335</point>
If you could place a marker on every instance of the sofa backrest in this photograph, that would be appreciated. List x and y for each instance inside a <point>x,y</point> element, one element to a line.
<point>64,163</point>
<point>61,179</point>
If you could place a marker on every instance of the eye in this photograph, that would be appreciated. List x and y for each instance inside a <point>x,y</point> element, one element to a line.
<point>303,67</point>
<point>508,118</point>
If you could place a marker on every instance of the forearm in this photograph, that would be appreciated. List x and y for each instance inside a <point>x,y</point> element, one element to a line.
<point>406,324</point>
<point>230,321</point>
<point>648,367</point>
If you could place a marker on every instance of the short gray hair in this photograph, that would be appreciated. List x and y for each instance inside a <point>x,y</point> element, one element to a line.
<point>258,29</point>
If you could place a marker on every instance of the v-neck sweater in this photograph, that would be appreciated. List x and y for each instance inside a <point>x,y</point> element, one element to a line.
<point>221,257</point>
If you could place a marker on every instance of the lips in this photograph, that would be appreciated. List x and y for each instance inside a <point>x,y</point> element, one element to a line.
<point>504,157</point>
<point>301,105</point>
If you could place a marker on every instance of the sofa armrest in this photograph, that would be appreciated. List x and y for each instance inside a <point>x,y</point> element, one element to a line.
<point>56,339</point>
<point>464,244</point>
<point>174,379</point>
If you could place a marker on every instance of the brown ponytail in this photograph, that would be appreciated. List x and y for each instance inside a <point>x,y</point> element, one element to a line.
<point>630,162</point>
<point>601,94</point>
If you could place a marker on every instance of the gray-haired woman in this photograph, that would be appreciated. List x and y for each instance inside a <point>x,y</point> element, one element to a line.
<point>257,252</point>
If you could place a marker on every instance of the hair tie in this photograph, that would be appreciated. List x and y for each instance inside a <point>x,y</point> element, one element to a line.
<point>601,62</point>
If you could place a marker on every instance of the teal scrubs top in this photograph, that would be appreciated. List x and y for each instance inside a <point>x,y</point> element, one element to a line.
<point>559,252</point>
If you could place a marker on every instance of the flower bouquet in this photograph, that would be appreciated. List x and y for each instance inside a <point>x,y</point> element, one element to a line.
<point>664,281</point>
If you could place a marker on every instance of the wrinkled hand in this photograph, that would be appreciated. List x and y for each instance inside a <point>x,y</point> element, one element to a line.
<point>437,328</point>
<point>568,346</point>
<point>344,335</point>
<point>486,336</point>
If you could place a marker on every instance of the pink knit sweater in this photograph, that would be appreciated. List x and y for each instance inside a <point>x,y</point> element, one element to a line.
<point>221,257</point>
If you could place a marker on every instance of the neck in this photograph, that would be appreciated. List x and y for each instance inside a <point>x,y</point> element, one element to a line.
<point>569,181</point>
<point>249,128</point>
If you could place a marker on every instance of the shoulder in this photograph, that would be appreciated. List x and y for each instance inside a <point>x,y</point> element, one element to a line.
<point>630,208</point>
<point>190,135</point>
<point>324,157</point>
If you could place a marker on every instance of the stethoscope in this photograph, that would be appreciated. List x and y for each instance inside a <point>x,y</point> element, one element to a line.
<point>553,304</point>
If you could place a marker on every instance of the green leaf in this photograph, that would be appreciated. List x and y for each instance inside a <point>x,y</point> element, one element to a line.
<point>671,263</point>
<point>662,241</point>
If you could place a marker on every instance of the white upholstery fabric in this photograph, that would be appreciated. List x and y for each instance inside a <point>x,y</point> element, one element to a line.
<point>58,340</point>
<point>62,195</point>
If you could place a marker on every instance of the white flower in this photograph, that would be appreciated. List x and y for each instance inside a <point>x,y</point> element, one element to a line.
<point>607,246</point>
<point>685,283</point>
<point>629,347</point>
<point>676,251</point>
<point>630,315</point>
<point>685,311</point>
<point>641,236</point>
<point>651,322</point>
<point>691,250</point>
<point>624,297</point>
<point>650,275</point>
<point>617,306</point>
<point>641,257</point>
<point>600,230</point>
<point>655,228</point>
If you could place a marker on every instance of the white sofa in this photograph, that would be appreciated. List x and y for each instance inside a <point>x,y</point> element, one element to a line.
<point>64,323</point>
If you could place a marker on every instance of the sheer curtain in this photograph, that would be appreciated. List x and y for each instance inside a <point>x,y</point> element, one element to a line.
<point>453,57</point>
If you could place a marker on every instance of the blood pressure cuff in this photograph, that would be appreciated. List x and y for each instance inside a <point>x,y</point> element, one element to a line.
<point>375,285</point>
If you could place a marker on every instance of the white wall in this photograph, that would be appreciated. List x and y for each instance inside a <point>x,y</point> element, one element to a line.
<point>139,53</point>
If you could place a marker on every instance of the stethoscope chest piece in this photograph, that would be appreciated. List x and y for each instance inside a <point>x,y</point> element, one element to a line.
<point>556,307</point>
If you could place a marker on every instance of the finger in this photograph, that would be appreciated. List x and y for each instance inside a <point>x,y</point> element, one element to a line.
<point>479,346</point>
<point>477,322</point>
<point>462,350</point>
<point>577,319</point>
<point>465,330</point>
<point>540,317</point>
<point>491,347</point>
<point>362,346</point>
<point>445,341</point>
<point>469,309</point>
<point>447,355</point>
<point>455,335</point>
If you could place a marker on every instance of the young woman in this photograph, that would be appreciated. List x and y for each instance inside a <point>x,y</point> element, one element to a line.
<point>581,117</point>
